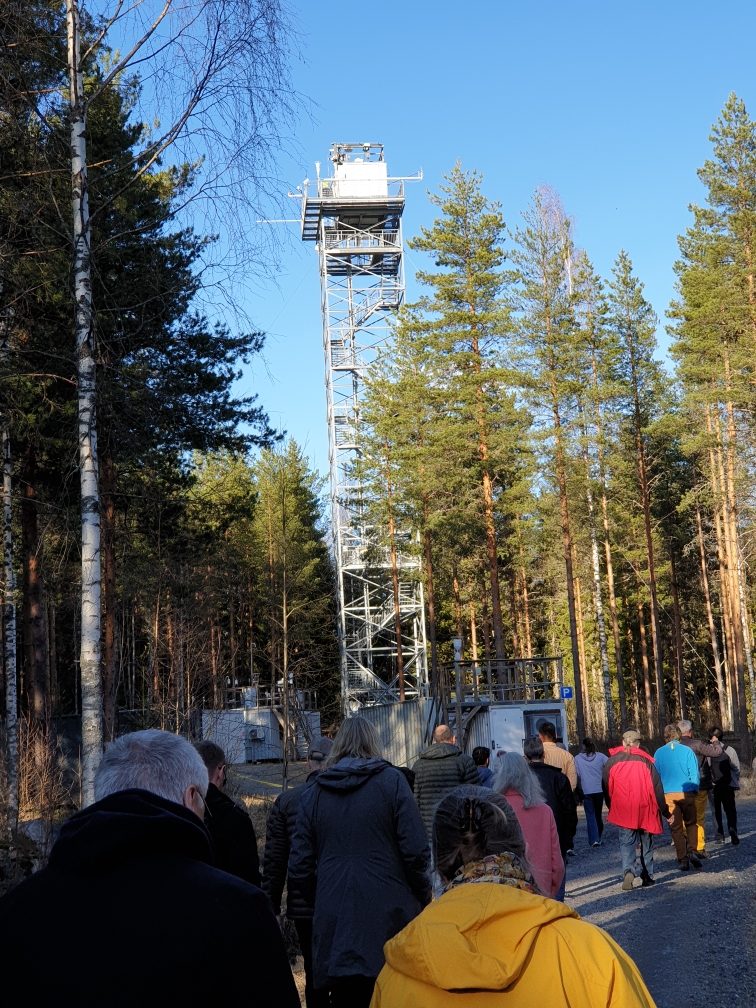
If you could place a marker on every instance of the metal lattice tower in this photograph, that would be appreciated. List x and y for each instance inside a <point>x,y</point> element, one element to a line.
<point>355,218</point>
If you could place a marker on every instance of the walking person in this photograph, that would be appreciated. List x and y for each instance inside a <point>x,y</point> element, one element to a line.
<point>677,766</point>
<point>635,799</point>
<point>589,765</point>
<point>229,826</point>
<point>438,770</point>
<point>360,856</point>
<point>493,939</point>
<point>482,759</point>
<point>523,792</point>
<point>281,824</point>
<point>555,755</point>
<point>560,798</point>
<point>139,908</point>
<point>703,750</point>
<point>725,779</point>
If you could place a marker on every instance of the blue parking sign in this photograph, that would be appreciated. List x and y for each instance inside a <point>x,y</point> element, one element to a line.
<point>566,692</point>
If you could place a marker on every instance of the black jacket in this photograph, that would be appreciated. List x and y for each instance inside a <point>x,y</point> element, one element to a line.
<point>438,770</point>
<point>233,837</point>
<point>279,833</point>
<point>360,851</point>
<point>130,904</point>
<point>702,750</point>
<point>560,798</point>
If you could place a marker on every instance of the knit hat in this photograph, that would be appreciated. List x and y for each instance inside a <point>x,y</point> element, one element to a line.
<point>631,737</point>
<point>319,749</point>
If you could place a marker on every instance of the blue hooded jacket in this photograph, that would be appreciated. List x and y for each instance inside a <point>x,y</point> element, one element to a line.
<point>677,766</point>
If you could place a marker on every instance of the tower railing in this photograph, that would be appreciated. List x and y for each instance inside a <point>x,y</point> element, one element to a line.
<point>360,248</point>
<point>505,680</point>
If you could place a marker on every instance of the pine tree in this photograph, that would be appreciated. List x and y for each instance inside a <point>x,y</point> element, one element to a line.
<point>714,332</point>
<point>634,322</point>
<point>543,252</point>
<point>466,322</point>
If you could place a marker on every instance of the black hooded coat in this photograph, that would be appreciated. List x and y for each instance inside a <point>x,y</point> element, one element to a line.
<point>126,910</point>
<point>361,851</point>
<point>233,837</point>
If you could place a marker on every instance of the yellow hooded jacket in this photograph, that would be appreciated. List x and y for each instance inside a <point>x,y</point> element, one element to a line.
<point>502,947</point>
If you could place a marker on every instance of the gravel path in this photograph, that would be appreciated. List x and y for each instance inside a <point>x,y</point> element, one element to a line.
<point>691,935</point>
<point>264,778</point>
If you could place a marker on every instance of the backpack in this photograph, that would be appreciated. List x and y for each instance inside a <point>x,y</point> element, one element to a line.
<point>721,768</point>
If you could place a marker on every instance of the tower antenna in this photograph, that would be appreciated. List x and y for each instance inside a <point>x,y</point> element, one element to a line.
<point>355,217</point>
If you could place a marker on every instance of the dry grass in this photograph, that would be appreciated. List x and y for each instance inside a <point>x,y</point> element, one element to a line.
<point>258,807</point>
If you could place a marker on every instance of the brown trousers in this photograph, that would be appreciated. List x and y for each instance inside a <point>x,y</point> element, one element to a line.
<point>682,808</point>
<point>702,800</point>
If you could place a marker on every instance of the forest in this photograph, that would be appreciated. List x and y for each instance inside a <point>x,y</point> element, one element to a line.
<point>571,493</point>
<point>197,561</point>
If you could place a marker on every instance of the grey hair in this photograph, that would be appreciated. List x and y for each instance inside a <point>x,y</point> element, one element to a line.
<point>533,748</point>
<point>356,738</point>
<point>684,726</point>
<point>152,760</point>
<point>514,774</point>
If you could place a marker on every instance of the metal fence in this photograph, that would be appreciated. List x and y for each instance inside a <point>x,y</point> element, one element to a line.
<point>509,680</point>
<point>405,729</point>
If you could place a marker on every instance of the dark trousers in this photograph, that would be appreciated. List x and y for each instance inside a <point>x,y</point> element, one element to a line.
<point>594,816</point>
<point>313,998</point>
<point>351,991</point>
<point>723,796</point>
<point>683,810</point>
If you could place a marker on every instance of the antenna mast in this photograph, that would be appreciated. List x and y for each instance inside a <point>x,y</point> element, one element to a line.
<point>355,218</point>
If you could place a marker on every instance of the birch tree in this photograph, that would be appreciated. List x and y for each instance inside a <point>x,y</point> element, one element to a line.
<point>219,58</point>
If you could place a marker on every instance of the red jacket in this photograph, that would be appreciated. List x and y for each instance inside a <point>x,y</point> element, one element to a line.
<point>633,790</point>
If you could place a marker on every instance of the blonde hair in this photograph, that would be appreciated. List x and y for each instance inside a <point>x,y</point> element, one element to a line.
<point>356,738</point>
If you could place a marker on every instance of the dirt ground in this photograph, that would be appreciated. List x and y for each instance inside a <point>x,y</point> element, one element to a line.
<point>693,935</point>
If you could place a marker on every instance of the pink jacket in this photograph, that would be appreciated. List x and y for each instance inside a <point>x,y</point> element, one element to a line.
<point>542,839</point>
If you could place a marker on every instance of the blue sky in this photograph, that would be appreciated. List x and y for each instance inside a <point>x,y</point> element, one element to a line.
<point>609,102</point>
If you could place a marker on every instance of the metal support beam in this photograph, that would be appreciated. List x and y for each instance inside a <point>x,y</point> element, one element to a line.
<point>355,218</point>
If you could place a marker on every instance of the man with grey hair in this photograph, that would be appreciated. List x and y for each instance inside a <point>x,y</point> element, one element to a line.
<point>131,882</point>
<point>702,750</point>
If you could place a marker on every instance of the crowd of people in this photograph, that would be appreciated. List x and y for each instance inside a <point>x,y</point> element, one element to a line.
<point>429,885</point>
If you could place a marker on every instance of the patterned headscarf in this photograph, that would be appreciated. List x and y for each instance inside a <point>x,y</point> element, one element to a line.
<point>506,869</point>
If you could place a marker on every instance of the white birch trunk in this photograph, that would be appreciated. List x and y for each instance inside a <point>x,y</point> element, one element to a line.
<point>746,633</point>
<point>91,689</point>
<point>598,604</point>
<point>724,706</point>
